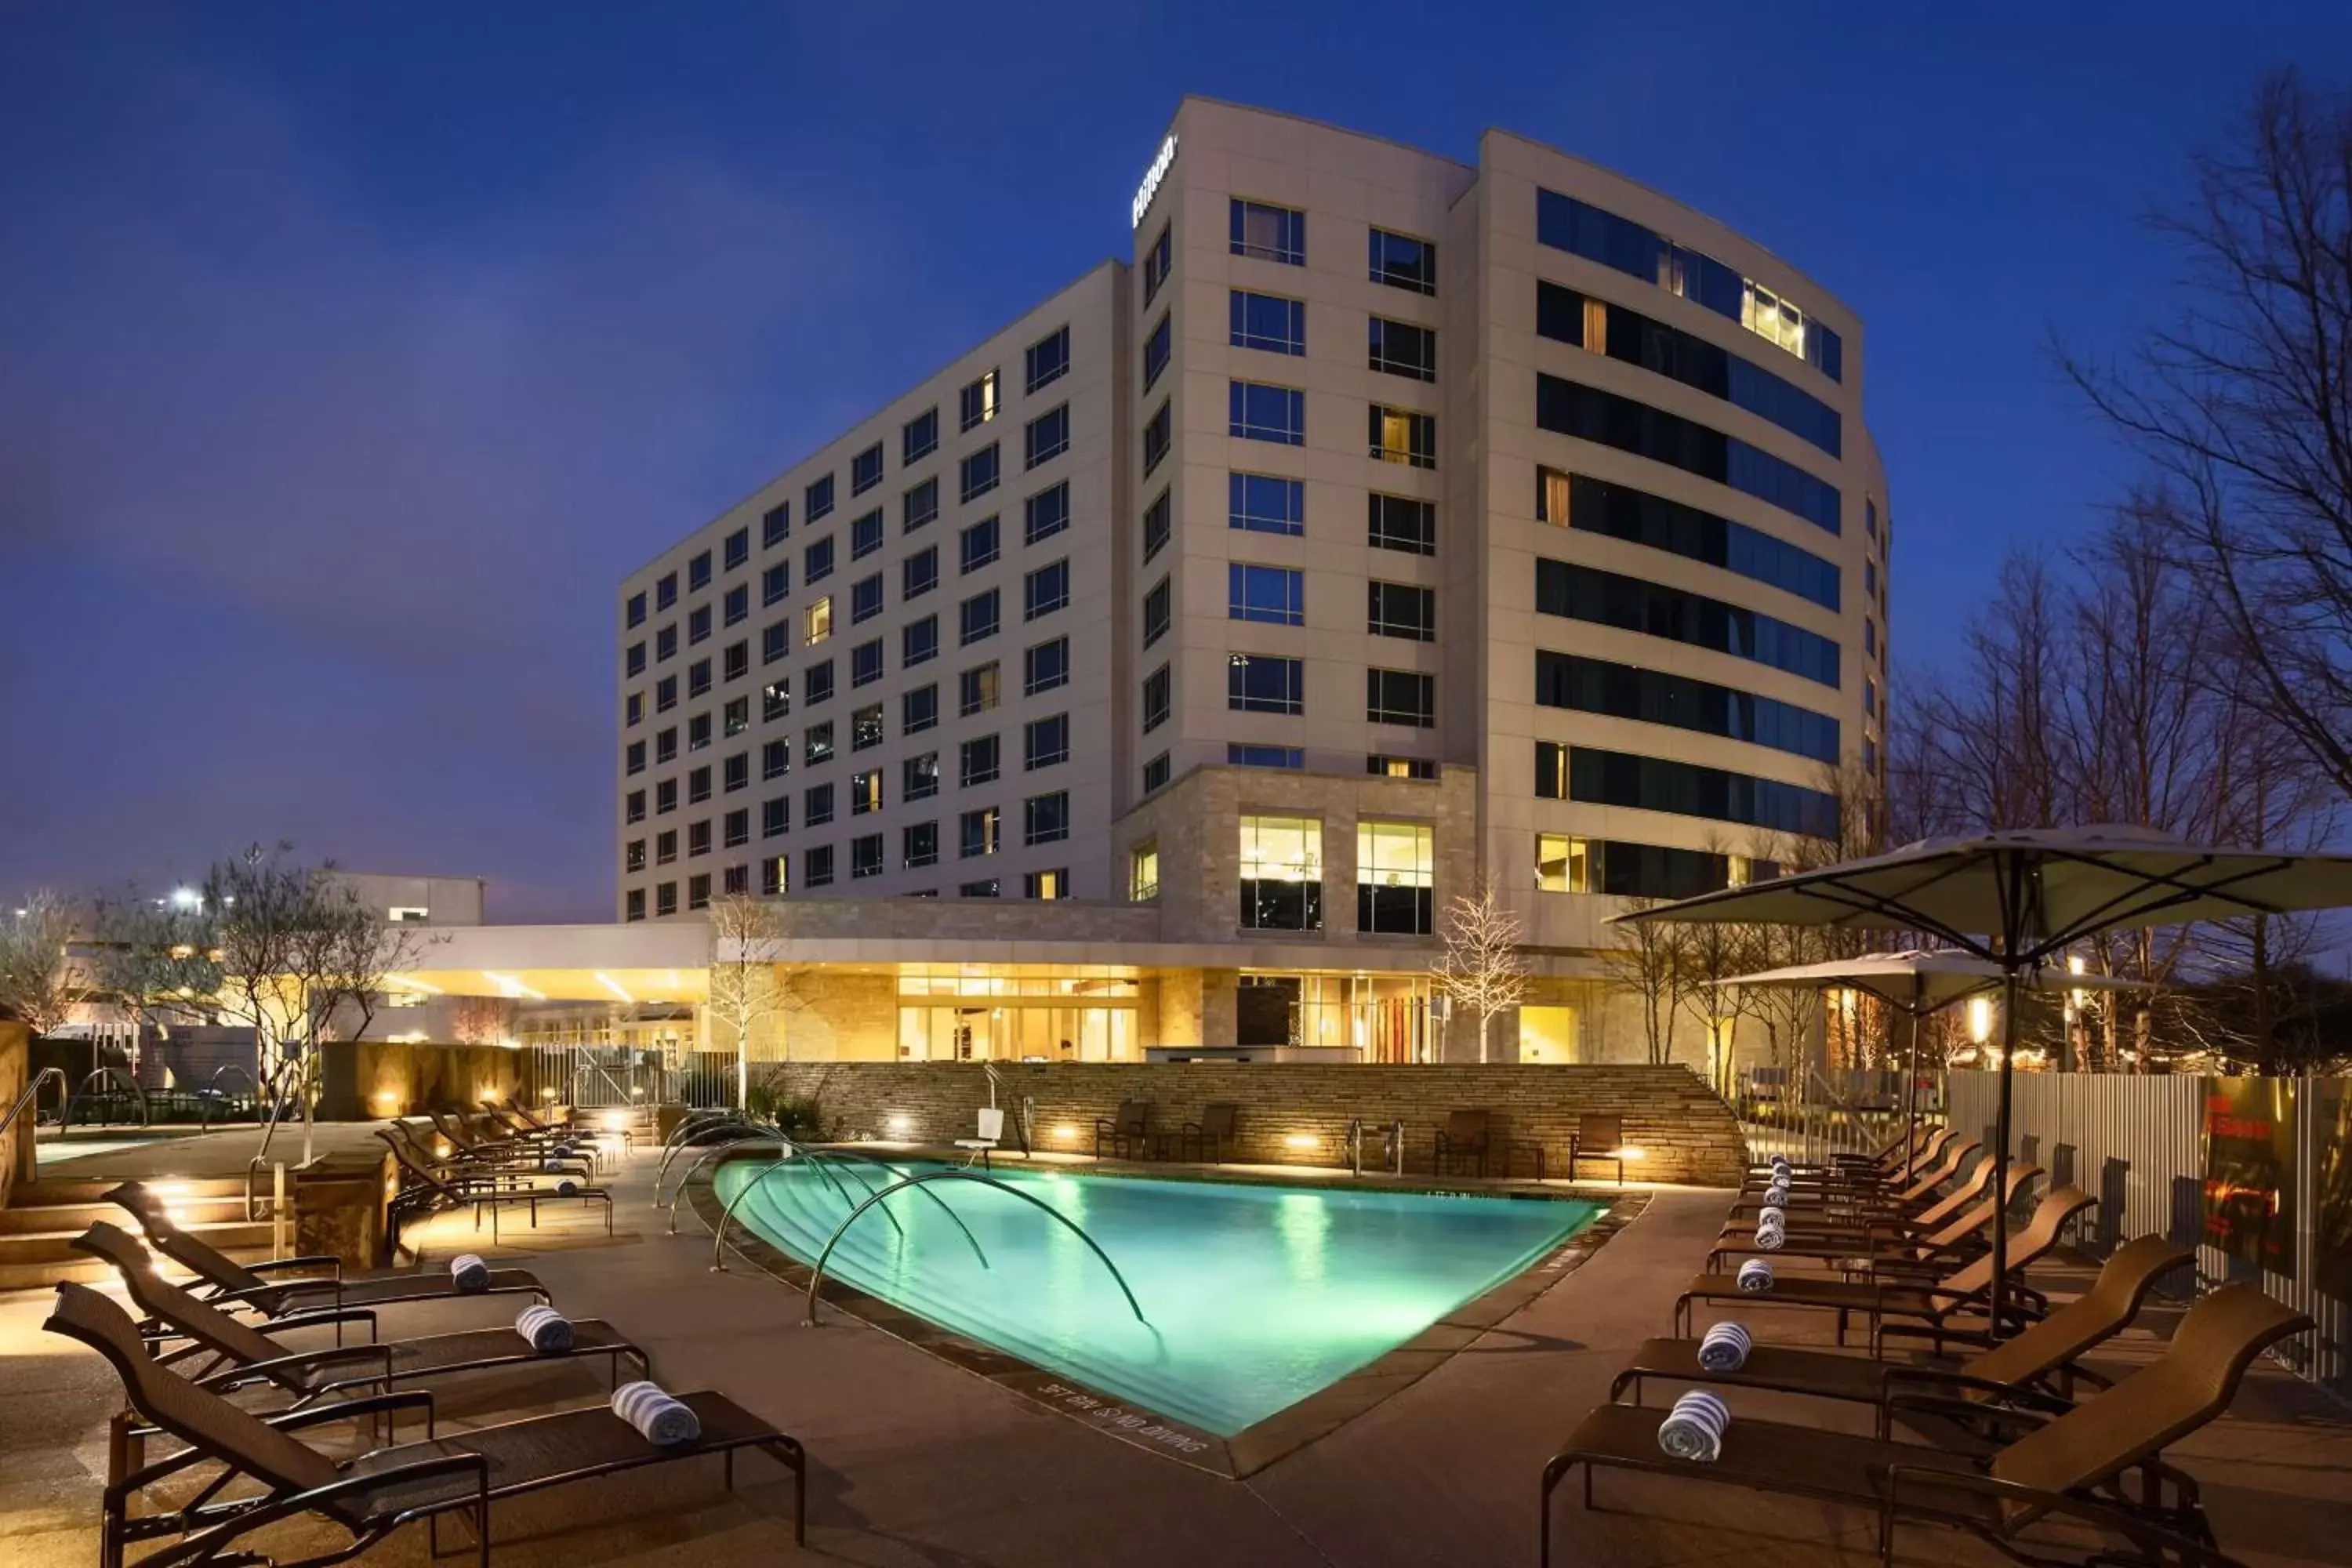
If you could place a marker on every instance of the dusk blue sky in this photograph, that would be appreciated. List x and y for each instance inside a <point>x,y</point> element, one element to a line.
<point>351,354</point>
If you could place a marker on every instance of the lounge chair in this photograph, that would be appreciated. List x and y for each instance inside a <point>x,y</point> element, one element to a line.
<point>1464,1136</point>
<point>375,1494</point>
<point>425,1189</point>
<point>1209,1138</point>
<point>229,1284</point>
<point>2079,1464</point>
<point>2035,1366</point>
<point>489,1141</point>
<point>515,1164</point>
<point>1836,1201</point>
<point>1815,1222</point>
<point>1901,1159</point>
<point>1951,1242</point>
<point>1131,1129</point>
<point>1598,1138</point>
<point>1934,1301</point>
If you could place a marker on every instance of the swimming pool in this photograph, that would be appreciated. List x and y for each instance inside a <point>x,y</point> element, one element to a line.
<point>1257,1295</point>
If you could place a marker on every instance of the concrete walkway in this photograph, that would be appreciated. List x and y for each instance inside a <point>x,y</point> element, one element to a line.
<point>917,1463</point>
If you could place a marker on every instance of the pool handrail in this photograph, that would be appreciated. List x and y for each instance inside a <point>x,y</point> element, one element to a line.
<point>737,1137</point>
<point>816,1275</point>
<point>695,1133</point>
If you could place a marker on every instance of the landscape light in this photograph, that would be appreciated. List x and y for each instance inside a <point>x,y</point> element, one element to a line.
<point>185,898</point>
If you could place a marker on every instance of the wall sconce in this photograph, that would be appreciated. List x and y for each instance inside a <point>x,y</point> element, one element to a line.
<point>1302,1141</point>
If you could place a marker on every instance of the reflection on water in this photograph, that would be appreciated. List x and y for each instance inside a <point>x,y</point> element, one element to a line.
<point>1305,1224</point>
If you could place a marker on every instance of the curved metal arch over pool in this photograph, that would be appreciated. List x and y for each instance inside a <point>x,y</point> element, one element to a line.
<point>816,1275</point>
<point>741,1136</point>
<point>689,1135</point>
<point>816,1158</point>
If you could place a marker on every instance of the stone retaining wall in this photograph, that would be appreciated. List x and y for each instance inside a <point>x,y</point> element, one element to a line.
<point>1297,1113</point>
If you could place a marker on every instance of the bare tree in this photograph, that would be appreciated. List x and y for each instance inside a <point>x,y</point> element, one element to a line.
<point>749,940</point>
<point>482,1020</point>
<point>35,970</point>
<point>1481,970</point>
<point>1648,963</point>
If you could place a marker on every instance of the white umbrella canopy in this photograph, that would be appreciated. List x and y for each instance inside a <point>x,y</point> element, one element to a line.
<point>1922,981</point>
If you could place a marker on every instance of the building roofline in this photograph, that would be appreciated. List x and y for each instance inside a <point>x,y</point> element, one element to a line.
<point>1321,125</point>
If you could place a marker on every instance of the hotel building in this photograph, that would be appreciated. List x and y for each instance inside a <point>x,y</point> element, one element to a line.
<point>1151,677</point>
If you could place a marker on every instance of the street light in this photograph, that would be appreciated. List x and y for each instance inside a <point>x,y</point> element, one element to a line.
<point>185,898</point>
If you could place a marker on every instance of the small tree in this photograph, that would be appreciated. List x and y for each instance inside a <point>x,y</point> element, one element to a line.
<point>1650,963</point>
<point>482,1020</point>
<point>1481,970</point>
<point>35,974</point>
<point>747,945</point>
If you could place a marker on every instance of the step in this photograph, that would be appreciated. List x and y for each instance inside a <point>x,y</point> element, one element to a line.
<point>56,1245</point>
<point>76,1218</point>
<point>17,1275</point>
<point>69,1190</point>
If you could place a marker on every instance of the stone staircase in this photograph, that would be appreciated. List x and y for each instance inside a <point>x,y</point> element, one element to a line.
<point>42,1217</point>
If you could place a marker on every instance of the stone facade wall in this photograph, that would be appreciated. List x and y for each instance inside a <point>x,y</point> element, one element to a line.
<point>368,1080</point>
<point>17,1143</point>
<point>1686,1133</point>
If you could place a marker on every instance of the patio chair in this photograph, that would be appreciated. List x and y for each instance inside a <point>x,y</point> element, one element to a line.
<point>1601,1138</point>
<point>1896,1242</point>
<point>515,1162</point>
<point>484,1140</point>
<point>1818,1222</point>
<point>2037,1367</point>
<point>1905,1199</point>
<point>229,1284</point>
<point>1464,1136</point>
<point>1208,1138</point>
<point>427,1191</point>
<point>1933,1300</point>
<point>2099,1463</point>
<point>370,1496</point>
<point>1902,1159</point>
<point>1130,1129</point>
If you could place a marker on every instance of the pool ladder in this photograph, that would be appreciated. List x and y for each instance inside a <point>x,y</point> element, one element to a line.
<point>1392,1145</point>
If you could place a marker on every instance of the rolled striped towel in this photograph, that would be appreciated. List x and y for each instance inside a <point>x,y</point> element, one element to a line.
<point>1776,1197</point>
<point>1724,1347</point>
<point>549,1331</point>
<point>1770,1236</point>
<point>1694,1429</point>
<point>659,1418</point>
<point>1755,1277</point>
<point>1781,1181</point>
<point>1782,1163</point>
<point>567,1188</point>
<point>469,1273</point>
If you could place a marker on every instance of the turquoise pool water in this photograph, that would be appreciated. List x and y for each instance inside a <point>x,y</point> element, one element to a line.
<point>1257,1297</point>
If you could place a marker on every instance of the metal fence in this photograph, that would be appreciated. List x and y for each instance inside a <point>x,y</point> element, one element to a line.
<point>2138,1143</point>
<point>606,1076</point>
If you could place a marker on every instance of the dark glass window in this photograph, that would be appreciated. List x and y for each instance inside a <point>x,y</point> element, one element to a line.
<point>816,501</point>
<point>665,899</point>
<point>666,591</point>
<point>635,707</point>
<point>665,797</point>
<point>634,858</point>
<point>1156,524</point>
<point>1047,360</point>
<point>979,473</point>
<point>918,436</point>
<point>1257,412</point>
<point>697,572</point>
<point>817,806</point>
<point>866,855</point>
<point>984,889</point>
<point>1157,261</point>
<point>666,642</point>
<point>1045,590</point>
<point>920,508</point>
<point>1625,691</point>
<point>636,755</point>
<point>977,617</point>
<point>1045,667</point>
<point>775,641</point>
<point>918,844</point>
<point>775,759</point>
<point>919,777</point>
<point>918,641</point>
<point>773,876</point>
<point>666,745</point>
<point>816,684</point>
<point>1268,232</point>
<point>866,470</point>
<point>977,690</point>
<point>736,773</point>
<point>1246,756</point>
<point>697,678</point>
<point>1045,819</point>
<point>1274,596</point>
<point>637,603</point>
<point>1047,514</point>
<point>636,805</point>
<point>865,535</point>
<point>1045,438</point>
<point>1565,224</point>
<point>775,817</point>
<point>698,732</point>
<point>1399,522</point>
<point>735,831</point>
<point>1266,321</point>
<point>1155,353</point>
<point>1402,435</point>
<point>816,560</point>
<point>919,709</point>
<point>866,598</point>
<point>636,904</point>
<point>865,663</point>
<point>1045,742</point>
<point>977,832</point>
<point>816,867</point>
<point>775,582</point>
<point>1262,683</point>
<point>979,545</point>
<point>1589,414</point>
<point>1621,511</point>
<point>1403,610</point>
<point>919,572</point>
<point>1629,604</point>
<point>737,549</point>
<point>1155,700</point>
<point>1651,784</point>
<point>977,761</point>
<point>1262,503</point>
<point>1155,438</point>
<point>636,660</point>
<point>1156,773</point>
<point>1399,348</point>
<point>737,604</point>
<point>865,727</point>
<point>776,525</point>
<point>698,624</point>
<point>1402,262</point>
<point>1400,697</point>
<point>1156,611</point>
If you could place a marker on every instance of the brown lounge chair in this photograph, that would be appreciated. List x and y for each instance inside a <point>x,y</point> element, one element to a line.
<point>375,1494</point>
<point>1131,1129</point>
<point>1919,1193</point>
<point>2035,1367</point>
<point>1209,1138</point>
<point>486,1140</point>
<point>1934,1301</point>
<point>1464,1136</point>
<point>2073,1464</point>
<point>513,1165</point>
<point>1598,1138</point>
<point>1816,1221</point>
<point>1954,1240</point>
<point>429,1190</point>
<point>229,1284</point>
<point>1902,1160</point>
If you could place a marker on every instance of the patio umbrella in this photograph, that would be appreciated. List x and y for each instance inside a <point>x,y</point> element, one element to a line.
<point>2016,899</point>
<point>1919,982</point>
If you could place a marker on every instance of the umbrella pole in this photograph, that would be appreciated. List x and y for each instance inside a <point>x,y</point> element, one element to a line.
<point>2001,1143</point>
<point>1911,1076</point>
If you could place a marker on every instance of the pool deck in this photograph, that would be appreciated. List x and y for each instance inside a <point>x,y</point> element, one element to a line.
<point>916,1462</point>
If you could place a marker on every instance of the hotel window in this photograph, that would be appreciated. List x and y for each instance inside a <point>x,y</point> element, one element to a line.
<point>698,732</point>
<point>1399,522</point>
<point>636,757</point>
<point>736,829</point>
<point>1045,667</point>
<point>1045,590</point>
<point>1047,514</point>
<point>666,643</point>
<point>1156,614</point>
<point>698,624</point>
<point>1157,773</point>
<point>736,662</point>
<point>865,663</point>
<point>735,880</point>
<point>775,583</point>
<point>735,717</point>
<point>1155,700</point>
<point>1155,438</point>
<point>978,546</point>
<point>1045,438</point>
<point>984,889</point>
<point>919,845</point>
<point>1261,503</point>
<point>866,598</point>
<point>1248,756</point>
<point>1155,528</point>
<point>865,727</point>
<point>637,608</point>
<point>866,855</point>
<point>1156,349</point>
<point>1401,436</point>
<point>1400,697</point>
<point>1143,873</point>
<point>817,744</point>
<point>1261,683</point>
<point>697,891</point>
<point>865,792</point>
<point>635,661</point>
<point>1399,348</point>
<point>866,470</point>
<point>865,535</point>
<point>817,806</point>
<point>1869,637</point>
<point>1269,232</point>
<point>1045,742</point>
<point>665,899</point>
<point>666,745</point>
<point>978,690</point>
<point>1388,767</point>
<point>1045,884</point>
<point>920,508</point>
<point>1396,871</point>
<point>698,837</point>
<point>1589,414</point>
<point>977,617</point>
<point>636,904</point>
<point>1552,497</point>
<point>697,572</point>
<point>816,867</point>
<point>666,591</point>
<point>1402,610</point>
<point>737,604</point>
<point>737,549</point>
<point>635,707</point>
<point>1045,819</point>
<point>816,683</point>
<point>919,709</point>
<point>977,761</point>
<point>775,876</point>
<point>1870,696</point>
<point>1257,412</point>
<point>1281,873</point>
<point>1272,596</point>
<point>697,678</point>
<point>775,817</point>
<point>977,401</point>
<point>977,832</point>
<point>775,698</point>
<point>1157,261</point>
<point>1266,321</point>
<point>816,501</point>
<point>697,785</point>
<point>775,759</point>
<point>918,641</point>
<point>635,806</point>
<point>919,572</point>
<point>1402,261</point>
<point>1047,360</point>
<point>816,621</point>
<point>776,525</point>
<point>666,846</point>
<point>735,773</point>
<point>919,777</point>
<point>816,560</point>
<point>918,436</point>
